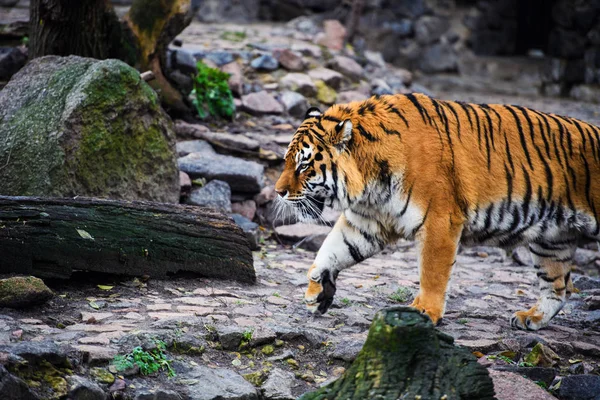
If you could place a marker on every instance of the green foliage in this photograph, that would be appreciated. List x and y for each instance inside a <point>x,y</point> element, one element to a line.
<point>541,384</point>
<point>247,335</point>
<point>346,301</point>
<point>149,362</point>
<point>401,295</point>
<point>233,36</point>
<point>463,321</point>
<point>211,92</point>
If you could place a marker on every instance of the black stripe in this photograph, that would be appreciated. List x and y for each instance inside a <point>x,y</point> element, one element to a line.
<point>419,107</point>
<point>528,191</point>
<point>398,113</point>
<point>449,104</point>
<point>485,109</point>
<point>366,134</point>
<point>354,251</point>
<point>390,131</point>
<point>521,136</point>
<point>333,119</point>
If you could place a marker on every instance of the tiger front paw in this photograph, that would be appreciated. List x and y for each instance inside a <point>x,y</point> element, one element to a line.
<point>530,320</point>
<point>433,308</point>
<point>320,292</point>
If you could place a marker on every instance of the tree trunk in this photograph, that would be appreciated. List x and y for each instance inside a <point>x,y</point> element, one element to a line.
<point>88,28</point>
<point>54,237</point>
<point>405,357</point>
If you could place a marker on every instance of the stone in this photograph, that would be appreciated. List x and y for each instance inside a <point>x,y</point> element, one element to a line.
<point>587,93</point>
<point>217,384</point>
<point>79,126</point>
<point>375,58</point>
<point>36,353</point>
<point>409,8</point>
<point>215,194</point>
<point>289,60</point>
<point>241,175</point>
<point>542,356</point>
<point>219,57</point>
<point>510,386</point>
<point>228,10</point>
<point>158,394</point>
<point>348,67</point>
<point>236,78</point>
<point>330,77</point>
<point>251,229</point>
<point>349,96</point>
<point>539,374</point>
<point>333,36</point>
<point>23,292</point>
<point>379,87</point>
<point>102,375</point>
<point>261,103</point>
<point>300,83</point>
<point>84,389</point>
<point>13,388</point>
<point>12,59</point>
<point>96,355</point>
<point>295,104</point>
<point>299,231</point>
<point>247,208</point>
<point>439,57</point>
<point>185,183</point>
<point>347,350</point>
<point>429,29</point>
<point>307,49</point>
<point>230,337</point>
<point>194,146</point>
<point>579,387</point>
<point>266,62</point>
<point>181,60</point>
<point>325,94</point>
<point>583,283</point>
<point>278,385</point>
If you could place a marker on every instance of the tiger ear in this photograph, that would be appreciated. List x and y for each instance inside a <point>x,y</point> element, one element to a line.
<point>343,134</point>
<point>313,112</point>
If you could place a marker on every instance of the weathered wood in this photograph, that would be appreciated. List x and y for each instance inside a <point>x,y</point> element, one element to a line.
<point>405,357</point>
<point>54,237</point>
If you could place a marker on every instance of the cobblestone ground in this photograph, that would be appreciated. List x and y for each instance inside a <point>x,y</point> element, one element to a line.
<point>486,288</point>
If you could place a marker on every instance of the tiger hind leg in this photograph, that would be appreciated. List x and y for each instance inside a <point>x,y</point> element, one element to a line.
<point>552,263</point>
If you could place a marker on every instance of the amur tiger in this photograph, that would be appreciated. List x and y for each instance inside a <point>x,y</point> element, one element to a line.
<point>444,172</point>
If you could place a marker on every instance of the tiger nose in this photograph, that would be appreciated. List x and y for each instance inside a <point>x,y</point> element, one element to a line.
<point>281,192</point>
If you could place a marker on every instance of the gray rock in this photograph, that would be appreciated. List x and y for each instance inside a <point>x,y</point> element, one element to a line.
<point>586,283</point>
<point>181,59</point>
<point>84,389</point>
<point>217,384</point>
<point>440,57</point>
<point>347,66</point>
<point>300,231</point>
<point>79,126</point>
<point>579,387</point>
<point>194,146</point>
<point>409,8</point>
<point>429,28</point>
<point>380,87</point>
<point>36,353</point>
<point>350,96</point>
<point>13,388</point>
<point>300,83</point>
<point>12,59</point>
<point>278,385</point>
<point>219,57</point>
<point>266,62</point>
<point>375,58</point>
<point>330,77</point>
<point>347,350</point>
<point>539,374</point>
<point>509,386</point>
<point>215,194</point>
<point>158,394</point>
<point>261,103</point>
<point>589,93</point>
<point>289,60</point>
<point>242,176</point>
<point>295,104</point>
<point>250,229</point>
<point>230,336</point>
<point>23,292</point>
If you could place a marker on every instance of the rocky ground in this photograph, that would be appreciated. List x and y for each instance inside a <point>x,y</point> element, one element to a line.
<point>233,341</point>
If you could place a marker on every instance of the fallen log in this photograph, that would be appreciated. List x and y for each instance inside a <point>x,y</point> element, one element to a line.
<point>51,238</point>
<point>405,357</point>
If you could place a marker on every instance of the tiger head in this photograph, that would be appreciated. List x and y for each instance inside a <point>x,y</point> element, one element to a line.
<point>314,162</point>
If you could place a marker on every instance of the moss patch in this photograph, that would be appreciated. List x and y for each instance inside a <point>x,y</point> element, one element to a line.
<point>44,379</point>
<point>23,291</point>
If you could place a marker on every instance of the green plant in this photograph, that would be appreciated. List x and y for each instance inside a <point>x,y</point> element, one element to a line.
<point>346,301</point>
<point>462,321</point>
<point>247,335</point>
<point>149,362</point>
<point>211,92</point>
<point>233,36</point>
<point>401,295</point>
<point>541,384</point>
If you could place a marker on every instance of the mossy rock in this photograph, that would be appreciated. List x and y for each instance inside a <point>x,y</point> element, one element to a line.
<point>23,291</point>
<point>78,126</point>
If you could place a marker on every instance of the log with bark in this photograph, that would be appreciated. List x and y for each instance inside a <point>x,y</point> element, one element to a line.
<point>51,238</point>
<point>405,357</point>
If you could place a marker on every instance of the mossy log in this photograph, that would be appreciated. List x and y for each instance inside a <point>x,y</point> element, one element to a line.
<point>405,357</point>
<point>51,238</point>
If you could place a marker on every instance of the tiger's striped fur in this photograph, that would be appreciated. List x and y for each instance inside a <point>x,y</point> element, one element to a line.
<point>445,172</point>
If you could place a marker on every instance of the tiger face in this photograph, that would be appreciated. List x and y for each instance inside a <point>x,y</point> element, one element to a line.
<point>309,180</point>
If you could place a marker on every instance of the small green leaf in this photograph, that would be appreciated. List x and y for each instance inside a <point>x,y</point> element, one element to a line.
<point>94,305</point>
<point>105,287</point>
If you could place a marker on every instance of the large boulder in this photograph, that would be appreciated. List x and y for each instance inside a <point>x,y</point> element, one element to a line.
<point>78,126</point>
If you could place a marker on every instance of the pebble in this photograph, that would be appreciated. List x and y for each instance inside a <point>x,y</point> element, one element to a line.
<point>265,62</point>
<point>261,103</point>
<point>215,194</point>
<point>348,67</point>
<point>289,60</point>
<point>300,83</point>
<point>295,103</point>
<point>333,36</point>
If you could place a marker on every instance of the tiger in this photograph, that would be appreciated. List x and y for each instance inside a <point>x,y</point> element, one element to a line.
<point>444,173</point>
